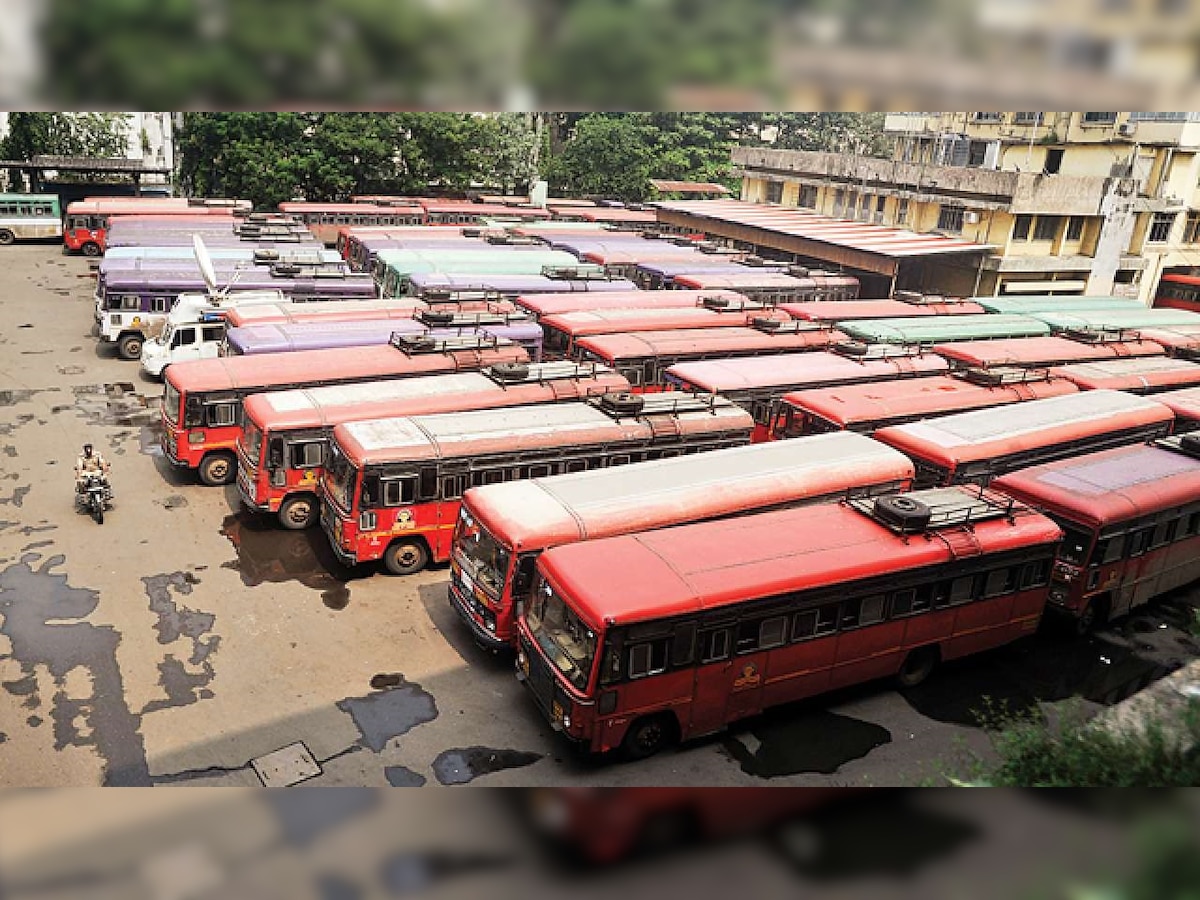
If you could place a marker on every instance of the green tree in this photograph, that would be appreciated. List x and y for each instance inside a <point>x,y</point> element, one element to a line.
<point>607,156</point>
<point>513,152</point>
<point>64,134</point>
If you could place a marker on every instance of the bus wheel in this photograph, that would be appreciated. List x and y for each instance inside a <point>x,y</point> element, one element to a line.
<point>918,665</point>
<point>1093,615</point>
<point>217,469</point>
<point>130,347</point>
<point>405,557</point>
<point>299,512</point>
<point>6,236</point>
<point>647,736</point>
<point>91,249</point>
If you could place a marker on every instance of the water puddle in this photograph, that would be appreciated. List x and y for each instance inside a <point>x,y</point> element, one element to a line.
<point>269,553</point>
<point>462,765</point>
<point>116,404</point>
<point>150,439</point>
<point>389,713</point>
<point>1105,668</point>
<point>816,741</point>
<point>399,776</point>
<point>175,501</point>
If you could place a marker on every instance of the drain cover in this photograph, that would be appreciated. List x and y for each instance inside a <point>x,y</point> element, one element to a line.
<point>286,766</point>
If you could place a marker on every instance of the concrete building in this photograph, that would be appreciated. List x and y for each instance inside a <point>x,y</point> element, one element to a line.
<point>1071,203</point>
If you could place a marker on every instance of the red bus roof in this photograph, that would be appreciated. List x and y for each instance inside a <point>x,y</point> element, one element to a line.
<point>616,214</point>
<point>836,310</point>
<point>544,512</point>
<point>615,321</point>
<point>697,341</point>
<point>1141,375</point>
<point>355,209</point>
<point>759,278</point>
<point>997,433</point>
<point>692,568</point>
<point>1184,403</point>
<point>1098,489</point>
<point>268,370</point>
<point>1041,351</point>
<point>323,311</point>
<point>516,429</point>
<point>719,376</point>
<point>551,304</point>
<point>1177,337</point>
<point>330,405</point>
<point>886,400</point>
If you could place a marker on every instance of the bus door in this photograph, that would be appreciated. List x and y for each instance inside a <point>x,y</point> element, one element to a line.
<point>729,686</point>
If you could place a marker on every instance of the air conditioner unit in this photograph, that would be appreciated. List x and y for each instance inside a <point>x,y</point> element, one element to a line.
<point>1127,129</point>
<point>970,217</point>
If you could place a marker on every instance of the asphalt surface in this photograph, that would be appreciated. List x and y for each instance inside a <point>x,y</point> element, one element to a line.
<point>181,642</point>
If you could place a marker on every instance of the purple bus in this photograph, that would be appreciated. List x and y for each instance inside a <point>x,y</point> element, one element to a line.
<point>657,275</point>
<point>288,337</point>
<point>443,287</point>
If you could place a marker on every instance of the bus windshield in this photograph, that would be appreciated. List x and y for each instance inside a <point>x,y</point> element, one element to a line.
<point>170,403</point>
<point>484,558</point>
<point>339,478</point>
<point>1075,545</point>
<point>252,438</point>
<point>561,634</point>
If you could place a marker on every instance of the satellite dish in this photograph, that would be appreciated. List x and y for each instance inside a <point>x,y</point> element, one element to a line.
<point>207,272</point>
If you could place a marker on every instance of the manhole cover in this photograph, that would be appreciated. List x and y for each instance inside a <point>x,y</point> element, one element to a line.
<point>286,766</point>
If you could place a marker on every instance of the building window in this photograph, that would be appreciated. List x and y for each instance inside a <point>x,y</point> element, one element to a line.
<point>1074,228</point>
<point>1099,118</point>
<point>902,211</point>
<point>1027,118</point>
<point>808,197</point>
<point>1164,116</point>
<point>864,209</point>
<point>977,153</point>
<point>950,218</point>
<point>839,201</point>
<point>1054,158</point>
<point>1046,228</point>
<point>1191,228</point>
<point>1160,227</point>
<point>774,191</point>
<point>1021,228</point>
<point>987,116</point>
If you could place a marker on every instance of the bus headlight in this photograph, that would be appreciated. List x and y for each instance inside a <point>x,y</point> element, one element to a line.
<point>195,437</point>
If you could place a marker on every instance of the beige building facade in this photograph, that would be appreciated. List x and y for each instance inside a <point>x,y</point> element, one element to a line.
<point>1069,203</point>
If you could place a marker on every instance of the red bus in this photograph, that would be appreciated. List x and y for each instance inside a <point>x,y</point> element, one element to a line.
<point>1185,404</point>
<point>564,330</point>
<point>1145,375</point>
<point>281,453</point>
<point>978,446</point>
<point>1178,292</point>
<point>323,311</point>
<point>644,357</point>
<point>939,303</point>
<point>866,408</point>
<point>87,220</point>
<point>642,640</point>
<point>1131,519</point>
<point>773,287</point>
<point>202,400</point>
<point>503,528</point>
<point>1178,340</point>
<point>392,486</point>
<point>758,383</point>
<point>324,220</point>
<point>538,305</point>
<point>1040,351</point>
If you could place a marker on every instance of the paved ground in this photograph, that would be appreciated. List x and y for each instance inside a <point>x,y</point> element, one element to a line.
<point>181,641</point>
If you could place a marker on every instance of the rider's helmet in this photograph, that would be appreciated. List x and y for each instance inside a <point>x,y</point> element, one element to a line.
<point>87,449</point>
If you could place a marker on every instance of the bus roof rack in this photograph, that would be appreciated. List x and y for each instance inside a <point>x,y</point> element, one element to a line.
<point>865,352</point>
<point>1100,334</point>
<point>583,272</point>
<point>527,373</point>
<point>440,319</point>
<point>799,271</point>
<point>725,303</point>
<point>621,403</point>
<point>917,512</point>
<point>994,376</point>
<point>1187,444</point>
<point>414,344</point>
<point>788,326</point>
<point>503,237</point>
<point>1187,351</point>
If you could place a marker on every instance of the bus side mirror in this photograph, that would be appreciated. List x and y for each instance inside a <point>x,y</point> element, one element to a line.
<point>275,453</point>
<point>193,413</point>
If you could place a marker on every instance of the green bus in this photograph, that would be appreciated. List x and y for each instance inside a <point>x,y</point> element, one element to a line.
<point>1109,320</point>
<point>941,329</point>
<point>1023,306</point>
<point>26,217</point>
<point>393,267</point>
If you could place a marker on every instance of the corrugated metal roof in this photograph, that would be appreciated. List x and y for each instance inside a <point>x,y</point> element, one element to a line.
<point>896,243</point>
<point>687,187</point>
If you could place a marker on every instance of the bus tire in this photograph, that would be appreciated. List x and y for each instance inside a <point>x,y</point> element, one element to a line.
<point>1092,616</point>
<point>130,346</point>
<point>648,736</point>
<point>904,512</point>
<point>7,237</point>
<point>918,666</point>
<point>217,469</point>
<point>298,512</point>
<point>405,557</point>
<point>623,403</point>
<point>91,248</point>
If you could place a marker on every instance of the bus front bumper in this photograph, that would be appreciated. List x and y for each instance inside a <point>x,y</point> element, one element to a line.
<point>482,636</point>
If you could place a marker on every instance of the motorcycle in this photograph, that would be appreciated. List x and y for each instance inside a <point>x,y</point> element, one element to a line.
<point>93,495</point>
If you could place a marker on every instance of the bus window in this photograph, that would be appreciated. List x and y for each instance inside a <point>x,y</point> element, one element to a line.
<point>222,414</point>
<point>962,590</point>
<point>714,645</point>
<point>307,455</point>
<point>815,622</point>
<point>649,658</point>
<point>772,632</point>
<point>451,487</point>
<point>999,582</point>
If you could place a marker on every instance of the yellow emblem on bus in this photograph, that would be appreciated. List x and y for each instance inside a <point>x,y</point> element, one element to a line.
<point>404,520</point>
<point>749,677</point>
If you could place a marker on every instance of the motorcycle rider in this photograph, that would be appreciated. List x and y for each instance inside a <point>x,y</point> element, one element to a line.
<point>89,461</point>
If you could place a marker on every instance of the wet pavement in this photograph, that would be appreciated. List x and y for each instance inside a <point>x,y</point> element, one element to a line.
<point>185,638</point>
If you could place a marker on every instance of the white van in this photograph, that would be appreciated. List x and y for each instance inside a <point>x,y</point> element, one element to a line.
<point>195,328</point>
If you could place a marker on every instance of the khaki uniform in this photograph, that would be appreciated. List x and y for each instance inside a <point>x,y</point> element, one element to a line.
<point>93,463</point>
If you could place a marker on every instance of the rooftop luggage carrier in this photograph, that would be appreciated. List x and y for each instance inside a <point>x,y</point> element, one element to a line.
<point>439,319</point>
<point>540,373</point>
<point>790,326</point>
<point>1101,334</point>
<point>864,352</point>
<point>586,272</point>
<point>996,376</point>
<point>1187,444</point>
<point>920,512</point>
<point>719,303</point>
<point>417,344</point>
<point>671,403</point>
